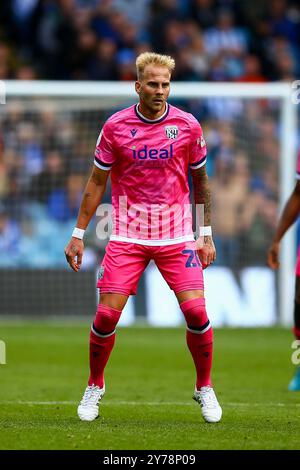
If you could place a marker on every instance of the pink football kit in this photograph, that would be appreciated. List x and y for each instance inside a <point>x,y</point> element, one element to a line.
<point>152,220</point>
<point>149,162</point>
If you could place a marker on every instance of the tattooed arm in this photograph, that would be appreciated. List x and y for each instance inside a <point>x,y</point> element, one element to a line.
<point>205,245</point>
<point>91,199</point>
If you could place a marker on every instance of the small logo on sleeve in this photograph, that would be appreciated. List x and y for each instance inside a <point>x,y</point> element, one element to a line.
<point>101,273</point>
<point>171,132</point>
<point>201,141</point>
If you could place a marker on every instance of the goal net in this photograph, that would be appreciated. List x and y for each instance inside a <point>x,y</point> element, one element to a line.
<point>48,134</point>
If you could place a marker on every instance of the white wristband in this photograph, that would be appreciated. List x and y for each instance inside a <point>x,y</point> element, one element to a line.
<point>205,231</point>
<point>78,233</point>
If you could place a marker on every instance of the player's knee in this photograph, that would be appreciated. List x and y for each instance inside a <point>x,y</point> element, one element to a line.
<point>114,300</point>
<point>195,315</point>
<point>106,319</point>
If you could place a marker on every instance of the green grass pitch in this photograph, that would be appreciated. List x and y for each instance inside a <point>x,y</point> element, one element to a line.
<point>149,380</point>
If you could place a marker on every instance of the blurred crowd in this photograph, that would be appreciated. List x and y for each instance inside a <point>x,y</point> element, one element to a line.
<point>216,40</point>
<point>46,155</point>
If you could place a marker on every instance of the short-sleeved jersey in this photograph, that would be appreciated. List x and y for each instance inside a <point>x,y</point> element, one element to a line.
<point>149,162</point>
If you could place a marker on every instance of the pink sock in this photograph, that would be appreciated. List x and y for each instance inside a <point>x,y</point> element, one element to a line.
<point>201,348</point>
<point>199,338</point>
<point>102,340</point>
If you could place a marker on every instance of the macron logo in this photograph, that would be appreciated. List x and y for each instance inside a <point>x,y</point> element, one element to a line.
<point>144,153</point>
<point>133,132</point>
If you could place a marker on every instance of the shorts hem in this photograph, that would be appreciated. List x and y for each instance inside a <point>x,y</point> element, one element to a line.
<point>115,290</point>
<point>178,289</point>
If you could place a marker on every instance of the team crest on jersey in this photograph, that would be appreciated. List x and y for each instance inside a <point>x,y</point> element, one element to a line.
<point>101,273</point>
<point>171,132</point>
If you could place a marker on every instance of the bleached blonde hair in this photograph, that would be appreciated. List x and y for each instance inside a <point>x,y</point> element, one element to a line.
<point>147,58</point>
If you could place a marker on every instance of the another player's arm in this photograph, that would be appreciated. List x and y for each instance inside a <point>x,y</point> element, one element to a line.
<point>202,196</point>
<point>91,199</point>
<point>287,218</point>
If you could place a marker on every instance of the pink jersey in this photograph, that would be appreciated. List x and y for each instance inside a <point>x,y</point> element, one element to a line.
<point>149,162</point>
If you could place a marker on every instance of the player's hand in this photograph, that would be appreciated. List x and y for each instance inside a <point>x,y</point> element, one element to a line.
<point>206,251</point>
<point>273,256</point>
<point>74,252</point>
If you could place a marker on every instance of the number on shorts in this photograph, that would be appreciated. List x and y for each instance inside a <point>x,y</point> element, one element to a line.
<point>193,259</point>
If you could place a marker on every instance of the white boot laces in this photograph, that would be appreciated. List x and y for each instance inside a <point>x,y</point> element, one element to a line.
<point>91,396</point>
<point>207,397</point>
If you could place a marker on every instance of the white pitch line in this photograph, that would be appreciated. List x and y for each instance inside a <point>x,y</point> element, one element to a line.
<point>143,403</point>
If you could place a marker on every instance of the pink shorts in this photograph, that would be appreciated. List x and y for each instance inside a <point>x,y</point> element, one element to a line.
<point>124,263</point>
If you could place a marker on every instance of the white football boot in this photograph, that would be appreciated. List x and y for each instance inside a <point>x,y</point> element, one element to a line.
<point>210,408</point>
<point>88,408</point>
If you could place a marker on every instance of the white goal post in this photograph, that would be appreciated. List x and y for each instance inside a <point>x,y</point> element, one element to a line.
<point>110,91</point>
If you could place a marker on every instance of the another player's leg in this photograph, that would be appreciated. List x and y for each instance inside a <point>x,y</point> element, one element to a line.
<point>199,337</point>
<point>102,340</point>
<point>294,384</point>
